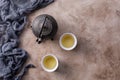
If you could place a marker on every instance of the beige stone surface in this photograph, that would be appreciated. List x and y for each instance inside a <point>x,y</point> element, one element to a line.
<point>96,23</point>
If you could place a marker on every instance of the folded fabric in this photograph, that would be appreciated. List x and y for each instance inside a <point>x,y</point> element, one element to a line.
<point>12,22</point>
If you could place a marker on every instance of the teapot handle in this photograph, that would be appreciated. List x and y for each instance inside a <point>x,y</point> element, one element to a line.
<point>40,34</point>
<point>39,39</point>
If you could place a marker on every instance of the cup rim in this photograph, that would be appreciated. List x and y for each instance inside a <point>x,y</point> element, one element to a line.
<point>71,48</point>
<point>49,70</point>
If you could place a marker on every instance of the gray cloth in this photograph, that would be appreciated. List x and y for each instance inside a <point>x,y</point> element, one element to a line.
<point>12,22</point>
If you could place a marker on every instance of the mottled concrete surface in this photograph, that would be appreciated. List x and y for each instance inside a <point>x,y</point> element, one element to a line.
<point>96,23</point>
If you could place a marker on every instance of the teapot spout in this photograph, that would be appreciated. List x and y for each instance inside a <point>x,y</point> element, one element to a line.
<point>38,40</point>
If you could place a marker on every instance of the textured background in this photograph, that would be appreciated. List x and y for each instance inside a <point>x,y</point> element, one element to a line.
<point>96,23</point>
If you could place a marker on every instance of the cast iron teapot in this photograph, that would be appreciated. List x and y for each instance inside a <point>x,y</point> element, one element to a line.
<point>44,27</point>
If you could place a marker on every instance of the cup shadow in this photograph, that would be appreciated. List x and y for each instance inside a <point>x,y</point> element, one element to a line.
<point>64,69</point>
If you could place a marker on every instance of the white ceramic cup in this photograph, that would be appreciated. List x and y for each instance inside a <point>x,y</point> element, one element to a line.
<point>66,48</point>
<point>43,64</point>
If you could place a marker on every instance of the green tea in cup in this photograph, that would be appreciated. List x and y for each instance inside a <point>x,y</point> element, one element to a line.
<point>68,41</point>
<point>49,62</point>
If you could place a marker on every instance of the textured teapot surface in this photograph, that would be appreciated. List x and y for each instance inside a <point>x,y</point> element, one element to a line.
<point>44,27</point>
